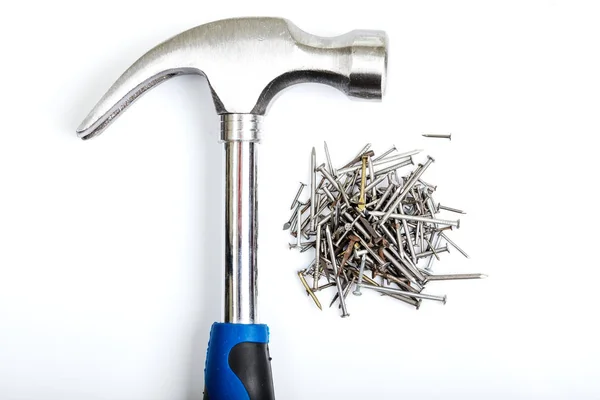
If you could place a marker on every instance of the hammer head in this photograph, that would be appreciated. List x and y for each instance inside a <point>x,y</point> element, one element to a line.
<point>247,61</point>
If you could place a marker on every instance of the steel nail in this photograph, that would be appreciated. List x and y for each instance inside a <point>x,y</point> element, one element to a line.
<point>449,277</point>
<point>454,210</point>
<point>335,271</point>
<point>329,164</point>
<point>413,218</point>
<point>405,293</point>
<point>300,189</point>
<point>361,271</point>
<point>431,135</point>
<point>451,243</point>
<point>313,187</point>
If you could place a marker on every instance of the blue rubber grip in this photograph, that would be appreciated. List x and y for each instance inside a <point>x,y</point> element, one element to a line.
<point>238,363</point>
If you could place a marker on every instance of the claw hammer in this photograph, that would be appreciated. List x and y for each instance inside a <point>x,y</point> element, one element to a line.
<point>247,62</point>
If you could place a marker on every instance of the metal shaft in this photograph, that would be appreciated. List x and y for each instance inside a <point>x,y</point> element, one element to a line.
<point>240,135</point>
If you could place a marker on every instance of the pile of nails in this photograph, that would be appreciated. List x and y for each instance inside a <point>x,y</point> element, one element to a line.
<point>372,224</point>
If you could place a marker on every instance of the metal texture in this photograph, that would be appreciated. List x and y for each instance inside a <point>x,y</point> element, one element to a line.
<point>247,62</point>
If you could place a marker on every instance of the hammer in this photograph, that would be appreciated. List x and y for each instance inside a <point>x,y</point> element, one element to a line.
<point>247,62</point>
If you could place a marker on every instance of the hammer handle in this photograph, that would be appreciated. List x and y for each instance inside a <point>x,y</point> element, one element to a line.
<point>238,365</point>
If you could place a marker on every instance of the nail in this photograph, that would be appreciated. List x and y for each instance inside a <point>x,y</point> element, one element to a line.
<point>288,224</point>
<point>414,218</point>
<point>310,292</point>
<point>432,247</point>
<point>454,210</point>
<point>394,167</point>
<point>300,189</point>
<point>359,155</point>
<point>374,182</point>
<point>431,135</point>
<point>399,240</point>
<point>384,196</point>
<point>378,161</point>
<point>389,235</point>
<point>325,286</point>
<point>317,256</point>
<point>385,153</point>
<point>435,244</point>
<point>408,300</point>
<point>329,195</point>
<point>363,180</point>
<point>335,271</point>
<point>408,272</point>
<point>361,271</point>
<point>411,247</point>
<point>329,164</point>
<point>313,187</point>
<point>451,243</point>
<point>299,232</point>
<point>405,293</point>
<point>449,277</point>
<point>372,177</point>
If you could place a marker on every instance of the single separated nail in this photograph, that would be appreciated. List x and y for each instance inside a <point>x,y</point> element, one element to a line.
<point>454,210</point>
<point>436,136</point>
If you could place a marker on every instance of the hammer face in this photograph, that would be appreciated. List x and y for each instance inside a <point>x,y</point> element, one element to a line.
<point>247,62</point>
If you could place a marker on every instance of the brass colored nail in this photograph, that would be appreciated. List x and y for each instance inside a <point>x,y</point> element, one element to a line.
<point>310,292</point>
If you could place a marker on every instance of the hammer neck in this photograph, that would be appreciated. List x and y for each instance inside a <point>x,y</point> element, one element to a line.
<point>241,127</point>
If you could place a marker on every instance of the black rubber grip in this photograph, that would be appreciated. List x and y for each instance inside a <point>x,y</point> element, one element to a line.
<point>251,362</point>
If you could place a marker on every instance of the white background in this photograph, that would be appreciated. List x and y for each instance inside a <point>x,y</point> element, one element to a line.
<point>110,250</point>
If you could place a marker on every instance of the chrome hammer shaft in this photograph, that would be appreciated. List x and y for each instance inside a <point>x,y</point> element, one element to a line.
<point>240,134</point>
